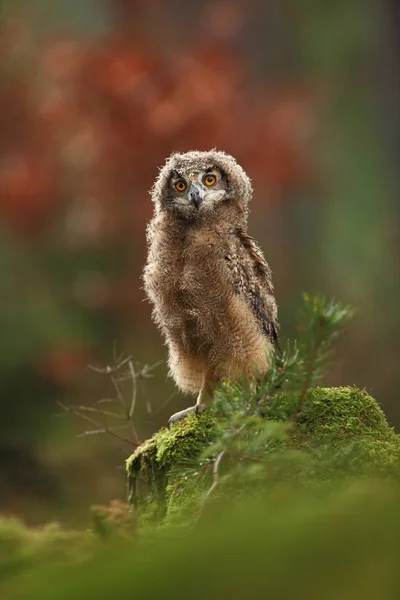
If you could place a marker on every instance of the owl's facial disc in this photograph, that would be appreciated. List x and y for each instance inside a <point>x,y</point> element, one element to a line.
<point>195,193</point>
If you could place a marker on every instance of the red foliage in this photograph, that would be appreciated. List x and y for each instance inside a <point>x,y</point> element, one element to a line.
<point>110,111</point>
<point>27,189</point>
<point>86,124</point>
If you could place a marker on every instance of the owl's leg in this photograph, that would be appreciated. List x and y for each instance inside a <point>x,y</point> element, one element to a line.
<point>205,397</point>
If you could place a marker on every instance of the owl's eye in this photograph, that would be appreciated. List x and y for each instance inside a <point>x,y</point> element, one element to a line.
<point>209,180</point>
<point>181,185</point>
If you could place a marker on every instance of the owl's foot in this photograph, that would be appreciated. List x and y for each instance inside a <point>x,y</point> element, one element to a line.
<point>182,414</point>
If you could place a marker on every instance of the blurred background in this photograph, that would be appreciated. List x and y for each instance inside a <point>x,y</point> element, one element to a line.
<point>94,94</point>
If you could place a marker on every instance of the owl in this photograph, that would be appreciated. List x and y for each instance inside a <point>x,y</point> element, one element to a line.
<point>207,279</point>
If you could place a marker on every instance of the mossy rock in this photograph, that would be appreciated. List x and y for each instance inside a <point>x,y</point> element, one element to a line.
<point>150,468</point>
<point>346,431</point>
<point>343,431</point>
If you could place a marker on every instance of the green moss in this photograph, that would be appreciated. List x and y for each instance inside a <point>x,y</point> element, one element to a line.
<point>150,469</point>
<point>345,430</point>
<point>342,431</point>
<point>340,413</point>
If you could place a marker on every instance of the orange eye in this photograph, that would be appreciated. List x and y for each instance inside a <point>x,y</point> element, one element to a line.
<point>181,185</point>
<point>210,180</point>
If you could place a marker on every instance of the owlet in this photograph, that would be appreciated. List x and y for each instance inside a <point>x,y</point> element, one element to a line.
<point>207,279</point>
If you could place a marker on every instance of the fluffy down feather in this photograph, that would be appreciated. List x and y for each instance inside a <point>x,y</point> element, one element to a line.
<point>209,282</point>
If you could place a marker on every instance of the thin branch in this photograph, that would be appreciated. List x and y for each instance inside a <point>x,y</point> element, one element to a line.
<point>147,369</point>
<point>167,401</point>
<point>134,389</point>
<point>90,432</point>
<point>143,391</point>
<point>100,411</point>
<point>108,369</point>
<point>119,395</point>
<point>114,372</point>
<point>215,483</point>
<point>115,355</point>
<point>144,373</point>
<point>129,411</point>
<point>102,430</point>
<point>95,423</point>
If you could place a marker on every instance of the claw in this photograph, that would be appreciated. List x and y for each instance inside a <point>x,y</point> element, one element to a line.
<point>197,409</point>
<point>181,415</point>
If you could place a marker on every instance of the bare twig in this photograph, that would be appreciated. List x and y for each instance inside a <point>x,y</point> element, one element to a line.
<point>126,412</point>
<point>167,401</point>
<point>134,389</point>
<point>215,483</point>
<point>100,411</point>
<point>108,369</point>
<point>98,431</point>
<point>144,373</point>
<point>105,429</point>
<point>118,392</point>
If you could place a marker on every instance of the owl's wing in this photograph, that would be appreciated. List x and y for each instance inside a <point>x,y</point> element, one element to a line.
<point>260,293</point>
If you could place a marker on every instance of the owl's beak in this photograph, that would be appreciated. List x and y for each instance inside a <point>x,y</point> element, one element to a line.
<point>196,197</point>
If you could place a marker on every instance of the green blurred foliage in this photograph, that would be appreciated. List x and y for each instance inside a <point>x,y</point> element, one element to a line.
<point>343,545</point>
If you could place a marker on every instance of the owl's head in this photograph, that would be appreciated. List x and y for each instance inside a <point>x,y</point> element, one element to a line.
<point>193,185</point>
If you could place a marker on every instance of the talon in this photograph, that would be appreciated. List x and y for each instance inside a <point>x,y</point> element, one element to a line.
<point>199,409</point>
<point>180,415</point>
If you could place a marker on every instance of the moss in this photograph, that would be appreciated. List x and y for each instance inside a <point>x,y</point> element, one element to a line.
<point>150,469</point>
<point>345,430</point>
<point>341,430</point>
<point>340,413</point>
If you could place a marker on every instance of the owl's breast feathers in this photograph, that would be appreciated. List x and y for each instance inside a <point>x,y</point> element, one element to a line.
<point>192,277</point>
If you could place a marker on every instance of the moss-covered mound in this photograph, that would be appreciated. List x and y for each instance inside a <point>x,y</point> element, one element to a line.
<point>341,430</point>
<point>345,430</point>
<point>149,468</point>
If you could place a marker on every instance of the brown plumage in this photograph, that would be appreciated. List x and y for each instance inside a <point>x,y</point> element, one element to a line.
<point>207,279</point>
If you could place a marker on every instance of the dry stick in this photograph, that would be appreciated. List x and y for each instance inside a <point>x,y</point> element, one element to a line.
<point>100,411</point>
<point>116,381</point>
<point>108,370</point>
<point>167,401</point>
<point>143,391</point>
<point>119,395</point>
<point>104,428</point>
<point>216,466</point>
<point>149,368</point>
<point>214,484</point>
<point>98,431</point>
<point>133,402</point>
<point>144,373</point>
<point>134,388</point>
